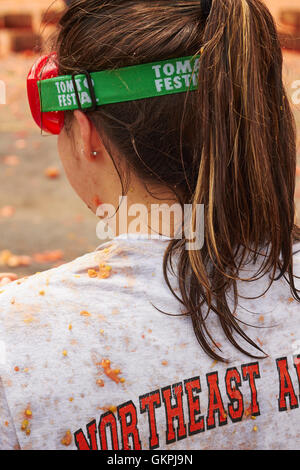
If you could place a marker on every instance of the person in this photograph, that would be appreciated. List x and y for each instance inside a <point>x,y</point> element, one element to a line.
<point>152,341</point>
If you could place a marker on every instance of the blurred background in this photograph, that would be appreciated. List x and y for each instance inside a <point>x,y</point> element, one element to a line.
<point>42,221</point>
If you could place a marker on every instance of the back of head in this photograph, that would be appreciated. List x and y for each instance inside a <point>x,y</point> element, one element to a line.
<point>229,146</point>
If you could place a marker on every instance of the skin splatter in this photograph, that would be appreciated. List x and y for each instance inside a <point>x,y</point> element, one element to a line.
<point>97,201</point>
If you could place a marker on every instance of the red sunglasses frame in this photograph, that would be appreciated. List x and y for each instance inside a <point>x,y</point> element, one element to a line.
<point>45,67</point>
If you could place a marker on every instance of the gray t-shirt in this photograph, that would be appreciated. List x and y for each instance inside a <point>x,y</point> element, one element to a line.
<point>88,360</point>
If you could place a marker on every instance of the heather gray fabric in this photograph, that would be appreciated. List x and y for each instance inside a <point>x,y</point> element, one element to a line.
<point>58,328</point>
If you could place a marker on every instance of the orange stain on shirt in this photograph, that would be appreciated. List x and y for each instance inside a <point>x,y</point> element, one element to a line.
<point>29,319</point>
<point>92,273</point>
<point>103,272</point>
<point>28,413</point>
<point>24,425</point>
<point>110,373</point>
<point>84,313</point>
<point>67,439</point>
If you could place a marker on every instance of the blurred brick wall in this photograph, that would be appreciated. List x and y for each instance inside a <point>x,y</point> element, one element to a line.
<point>287,17</point>
<point>27,25</point>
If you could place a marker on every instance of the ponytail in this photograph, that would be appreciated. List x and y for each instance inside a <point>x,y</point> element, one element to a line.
<point>246,177</point>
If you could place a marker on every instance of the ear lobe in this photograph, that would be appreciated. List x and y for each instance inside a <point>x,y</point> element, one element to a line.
<point>91,143</point>
<point>96,141</point>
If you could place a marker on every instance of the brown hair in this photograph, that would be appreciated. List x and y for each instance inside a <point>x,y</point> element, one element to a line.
<point>230,146</point>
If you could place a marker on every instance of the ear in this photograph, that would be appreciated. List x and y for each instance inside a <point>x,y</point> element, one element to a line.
<point>90,140</point>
